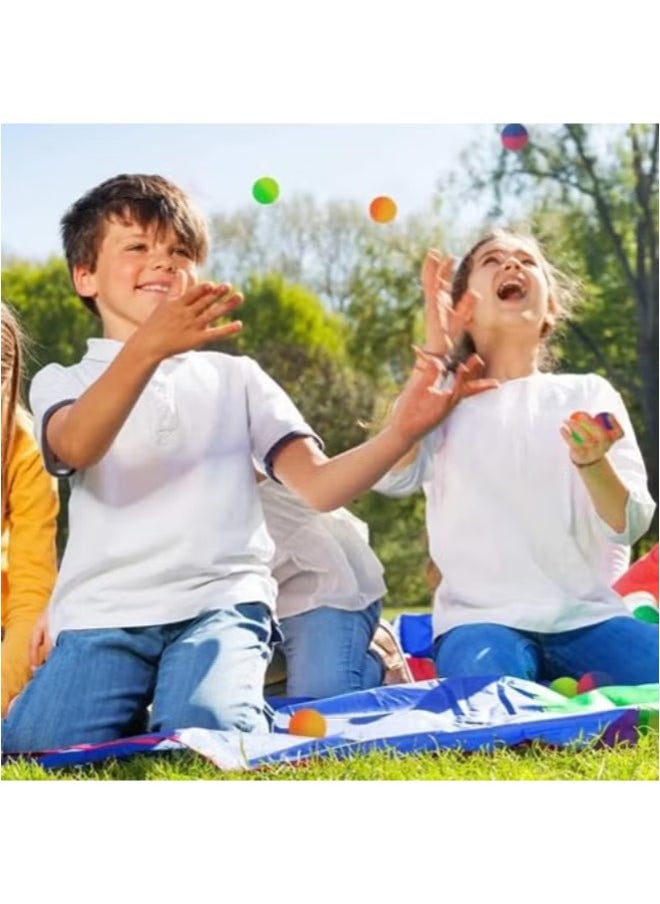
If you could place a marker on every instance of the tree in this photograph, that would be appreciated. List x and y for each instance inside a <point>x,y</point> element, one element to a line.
<point>57,326</point>
<point>55,320</point>
<point>318,246</point>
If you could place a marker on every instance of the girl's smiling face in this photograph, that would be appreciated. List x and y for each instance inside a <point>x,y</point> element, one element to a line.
<point>508,275</point>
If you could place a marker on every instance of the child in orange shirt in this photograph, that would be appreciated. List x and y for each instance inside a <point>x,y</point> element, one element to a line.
<point>29,513</point>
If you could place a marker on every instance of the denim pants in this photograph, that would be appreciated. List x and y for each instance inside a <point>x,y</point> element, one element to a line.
<point>327,651</point>
<point>623,648</point>
<point>96,685</point>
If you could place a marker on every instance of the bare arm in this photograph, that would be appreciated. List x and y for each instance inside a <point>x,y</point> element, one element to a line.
<point>589,441</point>
<point>81,433</point>
<point>443,323</point>
<point>608,494</point>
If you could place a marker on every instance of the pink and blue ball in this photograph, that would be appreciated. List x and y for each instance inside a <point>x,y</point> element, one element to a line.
<point>514,136</point>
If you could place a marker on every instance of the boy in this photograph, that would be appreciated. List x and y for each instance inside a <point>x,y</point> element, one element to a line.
<point>164,595</point>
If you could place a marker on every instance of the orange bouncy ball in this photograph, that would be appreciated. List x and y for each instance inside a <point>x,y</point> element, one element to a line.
<point>382,209</point>
<point>308,722</point>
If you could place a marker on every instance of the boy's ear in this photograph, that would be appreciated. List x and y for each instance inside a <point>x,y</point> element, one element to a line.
<point>84,281</point>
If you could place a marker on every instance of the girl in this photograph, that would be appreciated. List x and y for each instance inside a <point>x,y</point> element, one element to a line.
<point>29,513</point>
<point>330,585</point>
<point>535,489</point>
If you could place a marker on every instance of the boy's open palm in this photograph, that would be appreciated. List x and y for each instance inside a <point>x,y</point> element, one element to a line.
<point>185,319</point>
<point>422,405</point>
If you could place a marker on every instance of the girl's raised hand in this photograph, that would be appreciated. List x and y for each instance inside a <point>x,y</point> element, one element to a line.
<point>588,438</point>
<point>423,404</point>
<point>444,324</point>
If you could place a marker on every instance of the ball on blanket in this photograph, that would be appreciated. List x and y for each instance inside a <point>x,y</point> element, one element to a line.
<point>591,680</point>
<point>565,686</point>
<point>643,606</point>
<point>308,722</point>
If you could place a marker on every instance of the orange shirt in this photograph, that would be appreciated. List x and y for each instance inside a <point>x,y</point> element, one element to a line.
<point>29,559</point>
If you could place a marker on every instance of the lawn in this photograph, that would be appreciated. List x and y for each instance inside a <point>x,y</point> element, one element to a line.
<point>638,762</point>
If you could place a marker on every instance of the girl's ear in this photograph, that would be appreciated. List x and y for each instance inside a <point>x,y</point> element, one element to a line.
<point>548,325</point>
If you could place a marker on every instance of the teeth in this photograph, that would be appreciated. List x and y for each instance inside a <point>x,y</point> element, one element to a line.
<point>510,288</point>
<point>154,288</point>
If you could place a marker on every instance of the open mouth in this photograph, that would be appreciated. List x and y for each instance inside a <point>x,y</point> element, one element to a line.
<point>511,290</point>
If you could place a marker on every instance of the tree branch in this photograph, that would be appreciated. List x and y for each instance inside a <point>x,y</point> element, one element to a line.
<point>603,208</point>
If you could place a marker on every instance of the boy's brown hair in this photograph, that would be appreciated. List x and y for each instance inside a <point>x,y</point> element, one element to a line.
<point>144,199</point>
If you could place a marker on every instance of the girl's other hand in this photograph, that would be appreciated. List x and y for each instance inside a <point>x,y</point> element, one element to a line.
<point>588,438</point>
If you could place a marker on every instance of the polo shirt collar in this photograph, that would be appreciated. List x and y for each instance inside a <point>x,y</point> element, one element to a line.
<point>108,349</point>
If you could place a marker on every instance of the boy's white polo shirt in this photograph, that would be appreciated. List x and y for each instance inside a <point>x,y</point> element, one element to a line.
<point>168,524</point>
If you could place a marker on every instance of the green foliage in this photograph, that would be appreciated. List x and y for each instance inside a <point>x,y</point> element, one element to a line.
<point>55,320</point>
<point>276,312</point>
<point>56,324</point>
<point>303,347</point>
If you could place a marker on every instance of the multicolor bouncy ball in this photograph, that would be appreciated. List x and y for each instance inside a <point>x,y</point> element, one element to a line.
<point>382,209</point>
<point>591,680</point>
<point>514,136</point>
<point>309,723</point>
<point>565,686</point>
<point>265,190</point>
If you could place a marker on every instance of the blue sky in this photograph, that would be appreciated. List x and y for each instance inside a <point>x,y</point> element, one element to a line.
<point>46,167</point>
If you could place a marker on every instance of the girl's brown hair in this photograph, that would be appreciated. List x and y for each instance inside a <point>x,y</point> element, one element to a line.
<point>561,299</point>
<point>12,375</point>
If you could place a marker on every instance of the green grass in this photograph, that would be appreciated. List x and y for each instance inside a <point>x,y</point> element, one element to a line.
<point>638,762</point>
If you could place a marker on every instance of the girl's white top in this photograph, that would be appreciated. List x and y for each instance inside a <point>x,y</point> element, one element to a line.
<point>321,558</point>
<point>510,523</point>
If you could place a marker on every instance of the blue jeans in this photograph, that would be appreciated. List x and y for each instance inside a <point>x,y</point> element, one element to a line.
<point>327,651</point>
<point>623,648</point>
<point>96,685</point>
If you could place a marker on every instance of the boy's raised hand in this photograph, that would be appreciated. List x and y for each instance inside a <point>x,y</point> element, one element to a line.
<point>184,320</point>
<point>422,405</point>
<point>444,324</point>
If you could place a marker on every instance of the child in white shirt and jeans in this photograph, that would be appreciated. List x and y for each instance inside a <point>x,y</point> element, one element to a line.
<point>162,612</point>
<point>535,490</point>
<point>329,598</point>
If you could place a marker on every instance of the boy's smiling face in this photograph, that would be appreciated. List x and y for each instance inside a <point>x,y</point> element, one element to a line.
<point>134,272</point>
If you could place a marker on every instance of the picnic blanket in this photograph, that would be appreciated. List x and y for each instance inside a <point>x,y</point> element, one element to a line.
<point>460,713</point>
